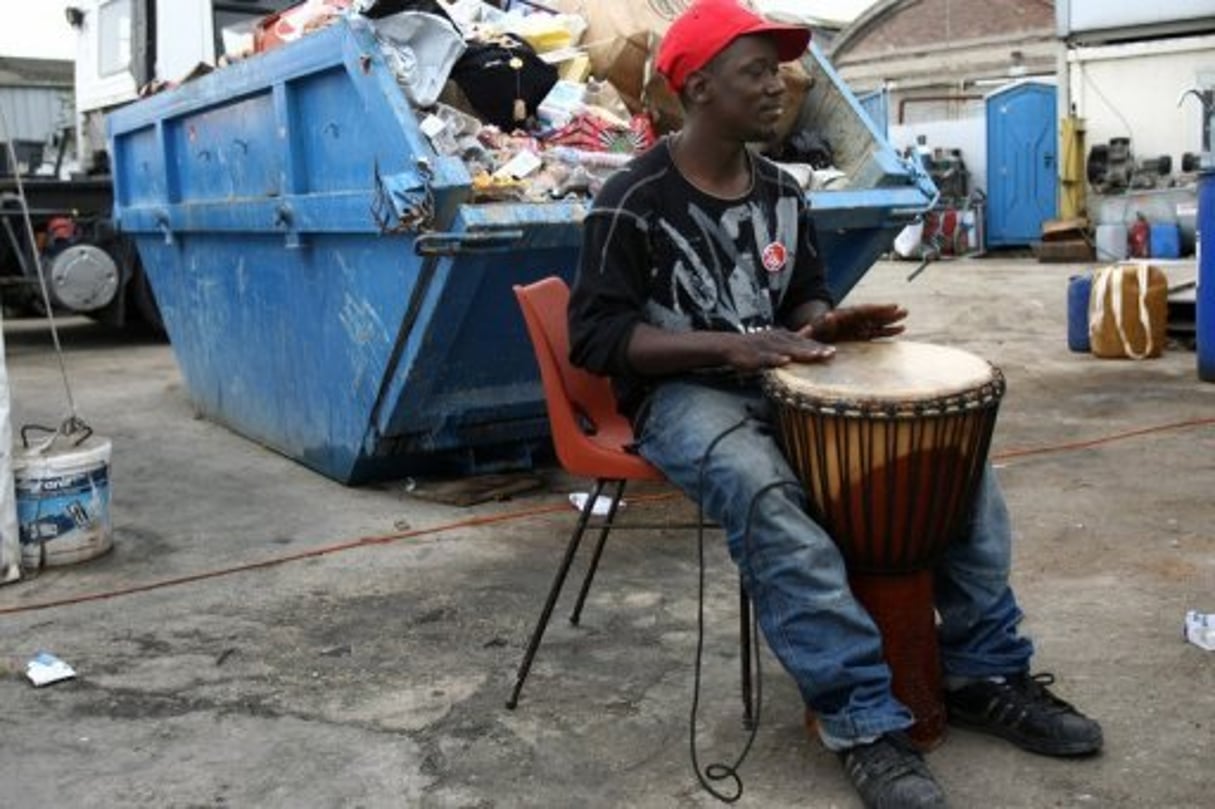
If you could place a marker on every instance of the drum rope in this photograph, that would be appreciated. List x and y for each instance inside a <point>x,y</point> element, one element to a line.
<point>836,450</point>
<point>716,771</point>
<point>721,771</point>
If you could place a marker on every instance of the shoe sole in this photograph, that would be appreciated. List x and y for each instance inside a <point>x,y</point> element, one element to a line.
<point>1039,746</point>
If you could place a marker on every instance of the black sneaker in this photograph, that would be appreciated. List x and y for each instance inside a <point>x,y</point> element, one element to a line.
<point>890,774</point>
<point>1022,710</point>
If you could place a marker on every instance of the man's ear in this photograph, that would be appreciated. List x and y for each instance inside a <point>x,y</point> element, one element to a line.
<point>698,88</point>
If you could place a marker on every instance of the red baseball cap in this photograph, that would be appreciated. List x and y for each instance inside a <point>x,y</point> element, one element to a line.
<point>708,27</point>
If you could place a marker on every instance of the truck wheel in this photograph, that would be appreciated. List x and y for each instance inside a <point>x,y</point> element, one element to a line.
<point>145,302</point>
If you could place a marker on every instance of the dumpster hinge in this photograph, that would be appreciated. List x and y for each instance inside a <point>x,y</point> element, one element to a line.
<point>404,202</point>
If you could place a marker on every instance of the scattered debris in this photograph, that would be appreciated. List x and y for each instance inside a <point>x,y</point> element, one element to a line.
<point>479,489</point>
<point>602,504</point>
<point>1200,629</point>
<point>341,650</point>
<point>45,669</point>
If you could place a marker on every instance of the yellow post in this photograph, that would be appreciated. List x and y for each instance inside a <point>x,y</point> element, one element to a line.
<point>1071,169</point>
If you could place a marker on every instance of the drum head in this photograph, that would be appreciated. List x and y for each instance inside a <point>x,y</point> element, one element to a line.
<point>884,372</point>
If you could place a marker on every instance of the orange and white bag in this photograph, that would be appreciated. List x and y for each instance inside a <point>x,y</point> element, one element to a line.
<point>1128,311</point>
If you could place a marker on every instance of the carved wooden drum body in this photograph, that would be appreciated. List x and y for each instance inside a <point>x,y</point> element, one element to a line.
<point>890,441</point>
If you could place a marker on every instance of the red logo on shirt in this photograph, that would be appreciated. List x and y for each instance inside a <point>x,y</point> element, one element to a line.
<point>775,256</point>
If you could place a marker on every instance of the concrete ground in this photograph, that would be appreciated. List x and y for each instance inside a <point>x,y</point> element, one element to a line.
<point>374,674</point>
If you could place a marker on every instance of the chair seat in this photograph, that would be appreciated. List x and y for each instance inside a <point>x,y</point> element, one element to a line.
<point>603,455</point>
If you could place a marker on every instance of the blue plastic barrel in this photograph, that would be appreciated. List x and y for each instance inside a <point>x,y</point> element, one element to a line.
<point>1206,276</point>
<point>331,288</point>
<point>1165,240</point>
<point>1079,288</point>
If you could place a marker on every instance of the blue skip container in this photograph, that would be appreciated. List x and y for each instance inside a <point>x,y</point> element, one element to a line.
<point>331,289</point>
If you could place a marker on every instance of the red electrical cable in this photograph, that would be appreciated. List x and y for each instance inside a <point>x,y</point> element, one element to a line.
<point>380,539</point>
<point>509,516</point>
<point>1175,425</point>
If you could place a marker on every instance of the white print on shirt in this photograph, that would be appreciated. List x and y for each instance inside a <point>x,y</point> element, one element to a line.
<point>731,287</point>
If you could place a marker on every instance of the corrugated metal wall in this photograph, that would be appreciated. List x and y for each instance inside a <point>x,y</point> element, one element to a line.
<point>33,113</point>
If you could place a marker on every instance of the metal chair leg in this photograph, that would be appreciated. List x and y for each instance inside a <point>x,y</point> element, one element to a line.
<point>553,593</point>
<point>744,635</point>
<point>576,615</point>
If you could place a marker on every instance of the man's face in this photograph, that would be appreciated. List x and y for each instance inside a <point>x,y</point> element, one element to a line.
<point>744,89</point>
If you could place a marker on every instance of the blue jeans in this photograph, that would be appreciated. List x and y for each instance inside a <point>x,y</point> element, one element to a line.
<point>795,574</point>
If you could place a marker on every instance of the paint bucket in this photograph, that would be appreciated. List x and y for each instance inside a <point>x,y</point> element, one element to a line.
<point>1079,287</point>
<point>63,501</point>
<point>1111,242</point>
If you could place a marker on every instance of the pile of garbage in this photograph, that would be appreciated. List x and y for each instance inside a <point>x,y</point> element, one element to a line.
<point>541,101</point>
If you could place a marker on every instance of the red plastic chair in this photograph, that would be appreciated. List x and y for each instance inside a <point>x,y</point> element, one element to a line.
<point>592,440</point>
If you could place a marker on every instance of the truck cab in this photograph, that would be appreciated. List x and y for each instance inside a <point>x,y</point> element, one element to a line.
<point>124,48</point>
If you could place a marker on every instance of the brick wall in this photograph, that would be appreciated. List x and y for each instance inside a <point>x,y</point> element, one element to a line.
<point>918,23</point>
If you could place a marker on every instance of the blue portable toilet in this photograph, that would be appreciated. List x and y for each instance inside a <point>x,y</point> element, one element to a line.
<point>1022,168</point>
<point>331,286</point>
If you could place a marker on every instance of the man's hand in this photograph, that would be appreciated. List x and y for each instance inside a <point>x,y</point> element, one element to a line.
<point>866,322</point>
<point>773,348</point>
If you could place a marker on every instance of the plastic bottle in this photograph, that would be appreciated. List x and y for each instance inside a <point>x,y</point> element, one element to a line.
<point>1079,288</point>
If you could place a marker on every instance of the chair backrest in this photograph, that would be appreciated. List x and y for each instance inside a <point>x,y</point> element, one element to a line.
<point>576,399</point>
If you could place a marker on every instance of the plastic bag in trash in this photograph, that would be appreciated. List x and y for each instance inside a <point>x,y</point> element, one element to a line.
<point>907,243</point>
<point>377,9</point>
<point>421,49</point>
<point>292,23</point>
<point>504,80</point>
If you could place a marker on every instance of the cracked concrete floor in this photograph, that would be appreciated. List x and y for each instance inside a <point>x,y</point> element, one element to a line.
<point>375,676</point>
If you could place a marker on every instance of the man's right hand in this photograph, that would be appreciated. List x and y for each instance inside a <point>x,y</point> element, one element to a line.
<point>656,352</point>
<point>773,348</point>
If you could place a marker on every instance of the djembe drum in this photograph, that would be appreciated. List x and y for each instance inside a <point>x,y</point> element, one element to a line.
<point>890,440</point>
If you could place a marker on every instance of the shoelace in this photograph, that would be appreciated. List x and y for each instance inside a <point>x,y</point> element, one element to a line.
<point>1036,693</point>
<point>887,756</point>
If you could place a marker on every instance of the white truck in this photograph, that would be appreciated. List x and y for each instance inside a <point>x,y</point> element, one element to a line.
<point>123,47</point>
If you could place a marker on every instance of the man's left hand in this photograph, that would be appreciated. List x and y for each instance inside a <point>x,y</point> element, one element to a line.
<point>865,322</point>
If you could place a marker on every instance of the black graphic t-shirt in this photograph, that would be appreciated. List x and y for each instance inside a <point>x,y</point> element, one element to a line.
<point>658,250</point>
